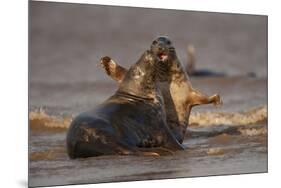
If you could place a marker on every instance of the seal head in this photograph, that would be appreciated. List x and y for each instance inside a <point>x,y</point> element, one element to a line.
<point>164,50</point>
<point>141,77</point>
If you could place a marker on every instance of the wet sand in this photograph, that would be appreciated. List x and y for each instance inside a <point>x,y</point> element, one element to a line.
<point>66,42</point>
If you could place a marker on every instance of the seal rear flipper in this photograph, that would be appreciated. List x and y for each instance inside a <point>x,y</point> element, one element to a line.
<point>147,153</point>
<point>160,151</point>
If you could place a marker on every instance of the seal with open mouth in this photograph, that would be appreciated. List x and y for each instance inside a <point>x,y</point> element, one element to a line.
<point>178,93</point>
<point>131,119</point>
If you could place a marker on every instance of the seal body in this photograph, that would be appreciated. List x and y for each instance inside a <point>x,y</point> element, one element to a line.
<point>174,83</point>
<point>133,118</point>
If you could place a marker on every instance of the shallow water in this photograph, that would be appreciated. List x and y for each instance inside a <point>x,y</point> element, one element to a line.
<point>217,142</point>
<point>210,151</point>
<point>65,81</point>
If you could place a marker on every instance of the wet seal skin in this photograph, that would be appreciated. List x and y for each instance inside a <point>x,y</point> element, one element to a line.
<point>178,93</point>
<point>127,123</point>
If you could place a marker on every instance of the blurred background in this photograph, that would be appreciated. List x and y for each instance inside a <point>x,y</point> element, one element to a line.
<point>67,41</point>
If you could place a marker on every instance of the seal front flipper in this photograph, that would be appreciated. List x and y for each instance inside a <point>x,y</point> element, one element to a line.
<point>112,69</point>
<point>197,98</point>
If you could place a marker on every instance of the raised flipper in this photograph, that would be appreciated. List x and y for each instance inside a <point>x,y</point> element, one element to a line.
<point>112,69</point>
<point>197,98</point>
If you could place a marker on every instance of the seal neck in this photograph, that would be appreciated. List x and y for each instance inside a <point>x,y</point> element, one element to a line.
<point>133,97</point>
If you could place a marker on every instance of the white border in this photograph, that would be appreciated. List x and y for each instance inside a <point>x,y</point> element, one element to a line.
<point>238,6</point>
<point>14,81</point>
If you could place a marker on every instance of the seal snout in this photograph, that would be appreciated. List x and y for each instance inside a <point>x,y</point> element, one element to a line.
<point>162,52</point>
<point>162,55</point>
<point>161,48</point>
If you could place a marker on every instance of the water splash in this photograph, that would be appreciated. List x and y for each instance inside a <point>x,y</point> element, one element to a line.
<point>251,116</point>
<point>40,120</point>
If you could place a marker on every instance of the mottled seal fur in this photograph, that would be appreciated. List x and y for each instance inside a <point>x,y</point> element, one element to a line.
<point>133,118</point>
<point>178,93</point>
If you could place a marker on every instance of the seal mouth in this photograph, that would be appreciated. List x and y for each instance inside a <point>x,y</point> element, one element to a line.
<point>162,56</point>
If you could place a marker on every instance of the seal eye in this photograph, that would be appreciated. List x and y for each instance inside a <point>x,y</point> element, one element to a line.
<point>154,42</point>
<point>169,42</point>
